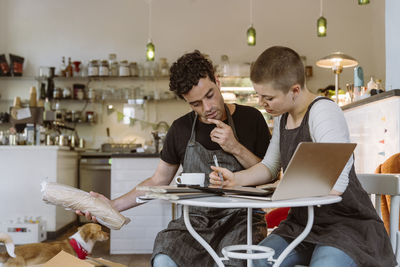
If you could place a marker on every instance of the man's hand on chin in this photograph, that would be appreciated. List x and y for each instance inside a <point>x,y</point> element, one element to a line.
<point>223,135</point>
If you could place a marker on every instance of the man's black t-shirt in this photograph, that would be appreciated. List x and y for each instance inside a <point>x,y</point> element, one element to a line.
<point>251,129</point>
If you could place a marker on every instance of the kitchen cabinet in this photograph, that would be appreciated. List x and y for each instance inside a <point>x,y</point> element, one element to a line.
<point>147,220</point>
<point>23,169</point>
<point>374,124</point>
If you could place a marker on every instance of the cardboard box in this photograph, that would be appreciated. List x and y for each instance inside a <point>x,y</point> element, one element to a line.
<point>64,259</point>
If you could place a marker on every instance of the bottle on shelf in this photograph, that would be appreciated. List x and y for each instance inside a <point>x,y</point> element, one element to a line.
<point>63,67</point>
<point>69,70</point>
<point>42,91</point>
<point>47,109</point>
<point>371,85</point>
<point>50,88</point>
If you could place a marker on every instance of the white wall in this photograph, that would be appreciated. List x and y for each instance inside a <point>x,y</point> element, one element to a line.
<point>392,43</point>
<point>45,30</point>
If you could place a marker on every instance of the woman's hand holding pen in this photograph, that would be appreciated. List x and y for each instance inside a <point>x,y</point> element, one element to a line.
<point>228,177</point>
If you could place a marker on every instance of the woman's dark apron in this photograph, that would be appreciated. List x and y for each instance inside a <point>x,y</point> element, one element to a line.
<point>218,227</point>
<point>351,225</point>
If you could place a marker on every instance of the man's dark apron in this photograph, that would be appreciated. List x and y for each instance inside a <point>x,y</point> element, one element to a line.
<point>351,225</point>
<point>218,227</point>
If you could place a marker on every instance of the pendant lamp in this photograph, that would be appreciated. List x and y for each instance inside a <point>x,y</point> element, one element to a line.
<point>363,2</point>
<point>150,48</point>
<point>337,61</point>
<point>150,51</point>
<point>321,24</point>
<point>251,32</point>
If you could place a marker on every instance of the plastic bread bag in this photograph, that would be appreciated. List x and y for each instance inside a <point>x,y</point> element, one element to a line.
<point>76,199</point>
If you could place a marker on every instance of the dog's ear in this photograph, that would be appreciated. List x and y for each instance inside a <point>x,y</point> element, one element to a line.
<point>90,231</point>
<point>85,232</point>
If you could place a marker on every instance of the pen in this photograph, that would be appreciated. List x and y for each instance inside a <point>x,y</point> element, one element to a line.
<point>217,165</point>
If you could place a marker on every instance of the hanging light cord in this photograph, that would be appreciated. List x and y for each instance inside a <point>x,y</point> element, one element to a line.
<point>149,19</point>
<point>321,7</point>
<point>251,12</point>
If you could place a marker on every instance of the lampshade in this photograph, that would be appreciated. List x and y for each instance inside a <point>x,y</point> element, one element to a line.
<point>337,59</point>
<point>321,27</point>
<point>150,51</point>
<point>363,2</point>
<point>251,36</point>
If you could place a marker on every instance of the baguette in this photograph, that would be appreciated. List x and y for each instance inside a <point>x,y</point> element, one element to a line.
<point>76,199</point>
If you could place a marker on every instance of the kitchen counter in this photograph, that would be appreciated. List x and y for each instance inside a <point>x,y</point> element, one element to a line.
<point>37,148</point>
<point>94,154</point>
<point>387,94</point>
<point>374,125</point>
<point>135,155</point>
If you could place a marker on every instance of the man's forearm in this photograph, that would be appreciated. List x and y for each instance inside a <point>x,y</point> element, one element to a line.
<point>245,157</point>
<point>128,200</point>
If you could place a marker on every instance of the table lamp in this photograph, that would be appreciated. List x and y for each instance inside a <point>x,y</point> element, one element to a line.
<point>337,61</point>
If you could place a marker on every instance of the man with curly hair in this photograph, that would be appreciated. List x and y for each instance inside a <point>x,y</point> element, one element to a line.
<point>237,134</point>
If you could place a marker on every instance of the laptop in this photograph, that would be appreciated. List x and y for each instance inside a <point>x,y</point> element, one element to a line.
<point>312,171</point>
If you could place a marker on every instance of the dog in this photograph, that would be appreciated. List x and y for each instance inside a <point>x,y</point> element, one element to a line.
<point>80,244</point>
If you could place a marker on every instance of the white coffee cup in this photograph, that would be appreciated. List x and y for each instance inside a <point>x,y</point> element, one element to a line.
<point>190,178</point>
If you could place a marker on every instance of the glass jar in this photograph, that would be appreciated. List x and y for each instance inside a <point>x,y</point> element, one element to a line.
<point>57,93</point>
<point>90,116</point>
<point>134,69</point>
<point>91,94</point>
<point>93,68</point>
<point>103,69</point>
<point>164,68</point>
<point>124,68</point>
<point>113,65</point>
<point>66,93</point>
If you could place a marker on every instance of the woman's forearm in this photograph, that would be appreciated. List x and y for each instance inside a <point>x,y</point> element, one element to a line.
<point>256,175</point>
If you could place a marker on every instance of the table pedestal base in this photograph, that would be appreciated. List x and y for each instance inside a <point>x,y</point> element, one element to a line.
<point>263,252</point>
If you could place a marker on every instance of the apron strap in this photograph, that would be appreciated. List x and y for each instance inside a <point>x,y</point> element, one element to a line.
<point>230,121</point>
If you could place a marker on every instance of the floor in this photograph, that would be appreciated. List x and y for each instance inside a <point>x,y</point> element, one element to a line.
<point>101,250</point>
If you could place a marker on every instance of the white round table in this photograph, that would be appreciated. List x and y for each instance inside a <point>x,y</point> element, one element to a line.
<point>236,202</point>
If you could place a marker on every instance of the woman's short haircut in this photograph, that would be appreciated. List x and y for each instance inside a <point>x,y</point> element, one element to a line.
<point>280,66</point>
<point>188,70</point>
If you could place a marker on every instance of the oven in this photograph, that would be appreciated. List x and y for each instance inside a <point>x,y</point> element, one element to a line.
<point>95,175</point>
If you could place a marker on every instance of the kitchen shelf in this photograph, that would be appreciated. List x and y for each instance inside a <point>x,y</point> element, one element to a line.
<point>105,78</point>
<point>16,78</point>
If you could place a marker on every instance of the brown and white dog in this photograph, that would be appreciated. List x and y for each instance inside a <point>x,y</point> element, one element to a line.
<point>80,244</point>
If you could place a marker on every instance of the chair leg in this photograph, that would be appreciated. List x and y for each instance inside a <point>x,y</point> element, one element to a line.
<point>397,251</point>
<point>378,206</point>
<point>394,220</point>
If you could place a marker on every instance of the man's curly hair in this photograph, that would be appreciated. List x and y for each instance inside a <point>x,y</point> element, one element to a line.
<point>188,70</point>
